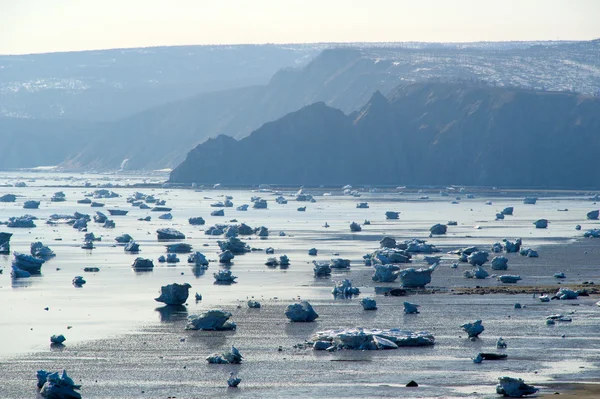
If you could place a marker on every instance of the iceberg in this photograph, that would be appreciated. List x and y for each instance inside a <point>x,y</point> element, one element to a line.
<point>385,273</point>
<point>169,234</point>
<point>509,278</point>
<point>499,263</point>
<point>234,245</point>
<point>224,277</point>
<point>392,215</point>
<point>78,281</point>
<point>387,242</point>
<point>272,262</point>
<point>242,208</point>
<point>8,198</point>
<point>117,212</point>
<point>416,278</point>
<point>211,320</point>
<point>512,247</point>
<point>253,304</point>
<point>233,381</point>
<point>196,221</point>
<point>262,231</point>
<point>593,233</point>
<point>99,217</point>
<point>21,222</point>
<point>219,212</point>
<point>499,216</point>
<point>514,387</point>
<point>566,293</point>
<point>385,256</point>
<point>174,294</point>
<point>5,243</point>
<point>530,200</point>
<point>141,264</point>
<point>27,262</point>
<point>198,259</point>
<point>355,227</point>
<point>368,303</point>
<point>473,329</point>
<point>541,223</point>
<point>233,356</point>
<point>166,216</point>
<point>57,386</point>
<point>593,215</point>
<point>284,260</point>
<point>411,308</point>
<point>31,204</point>
<point>339,263</point>
<point>373,339</point>
<point>57,339</point>
<point>39,250</point>
<point>321,268</point>
<point>260,204</point>
<point>312,252</point>
<point>438,229</point>
<point>132,246</point>
<point>417,246</point>
<point>179,248</point>
<point>478,273</point>
<point>508,211</point>
<point>478,258</point>
<point>19,273</point>
<point>301,312</point>
<point>171,258</point>
<point>362,205</point>
<point>501,344</point>
<point>344,288</point>
<point>123,238</point>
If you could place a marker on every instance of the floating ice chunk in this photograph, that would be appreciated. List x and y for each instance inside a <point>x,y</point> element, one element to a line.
<point>530,253</point>
<point>321,268</point>
<point>544,298</point>
<point>242,208</point>
<point>501,344</point>
<point>234,245</point>
<point>566,293</point>
<point>418,246</point>
<point>233,381</point>
<point>514,387</point>
<point>123,238</point>
<point>179,248</point>
<point>512,247</point>
<point>344,288</point>
<point>530,200</point>
<point>27,262</point>
<point>211,320</point>
<point>559,317</point>
<point>368,303</point>
<point>8,198</point>
<point>339,263</point>
<point>132,246</point>
<point>478,358</point>
<point>473,329</point>
<point>270,251</point>
<point>497,247</point>
<point>541,223</point>
<point>196,221</point>
<point>593,233</point>
<point>509,278</point>
<point>55,386</point>
<point>262,231</point>
<point>284,260</point>
<point>171,258</point>
<point>392,215</point>
<point>477,273</point>
<point>19,273</point>
<point>169,234</point>
<point>219,212</point>
<point>260,204</point>
<point>31,204</point>
<point>387,242</point>
<point>478,258</point>
<point>416,277</point>
<point>432,260</point>
<point>411,308</point>
<point>198,259</point>
<point>166,216</point>
<point>301,312</point>
<point>362,205</point>
<point>272,262</point>
<point>57,339</point>
<point>99,217</point>
<point>438,229</point>
<point>233,356</point>
<point>593,215</point>
<point>355,227</point>
<point>21,222</point>
<point>560,275</point>
<point>499,263</point>
<point>224,277</point>
<point>174,294</point>
<point>499,216</point>
<point>386,273</point>
<point>253,304</point>
<point>373,339</point>
<point>78,281</point>
<point>117,212</point>
<point>385,256</point>
<point>508,211</point>
<point>141,264</point>
<point>312,252</point>
<point>39,250</point>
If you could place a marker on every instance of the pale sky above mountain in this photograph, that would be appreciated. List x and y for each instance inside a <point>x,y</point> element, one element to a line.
<point>34,26</point>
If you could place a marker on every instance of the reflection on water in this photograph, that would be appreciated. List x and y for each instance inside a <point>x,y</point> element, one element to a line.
<point>57,347</point>
<point>172,313</point>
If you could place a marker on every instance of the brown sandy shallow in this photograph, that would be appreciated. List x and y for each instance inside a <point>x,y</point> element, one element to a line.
<point>579,391</point>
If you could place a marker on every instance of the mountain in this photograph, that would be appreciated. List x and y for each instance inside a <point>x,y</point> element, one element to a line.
<point>421,134</point>
<point>104,85</point>
<point>343,78</point>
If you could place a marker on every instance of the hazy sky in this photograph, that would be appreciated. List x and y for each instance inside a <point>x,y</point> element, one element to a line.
<point>33,26</point>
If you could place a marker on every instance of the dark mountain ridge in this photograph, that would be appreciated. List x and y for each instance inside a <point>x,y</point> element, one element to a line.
<point>421,134</point>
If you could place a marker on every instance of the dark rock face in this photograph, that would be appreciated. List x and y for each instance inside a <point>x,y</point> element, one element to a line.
<point>427,133</point>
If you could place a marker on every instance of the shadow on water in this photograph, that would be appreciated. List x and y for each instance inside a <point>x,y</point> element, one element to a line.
<point>172,313</point>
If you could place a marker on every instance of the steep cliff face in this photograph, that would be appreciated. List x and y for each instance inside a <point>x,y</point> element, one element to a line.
<point>430,133</point>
